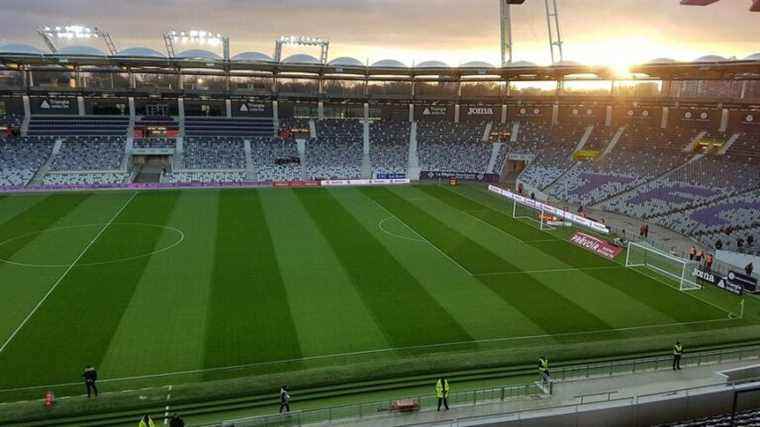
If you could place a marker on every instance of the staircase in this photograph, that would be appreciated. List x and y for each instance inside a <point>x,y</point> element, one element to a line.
<point>584,139</point>
<point>495,150</point>
<point>366,170</point>
<point>413,172</point>
<point>39,177</point>
<point>724,149</point>
<point>613,142</point>
<point>690,148</point>
<point>250,170</point>
<point>487,132</point>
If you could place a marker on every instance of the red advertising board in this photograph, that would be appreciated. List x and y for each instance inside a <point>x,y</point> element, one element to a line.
<point>296,184</point>
<point>596,245</point>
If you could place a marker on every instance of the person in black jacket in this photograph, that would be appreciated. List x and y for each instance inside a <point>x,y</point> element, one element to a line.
<point>90,376</point>
<point>176,421</point>
<point>284,399</point>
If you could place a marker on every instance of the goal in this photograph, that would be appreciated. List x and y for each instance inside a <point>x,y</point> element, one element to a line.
<point>534,214</point>
<point>677,269</point>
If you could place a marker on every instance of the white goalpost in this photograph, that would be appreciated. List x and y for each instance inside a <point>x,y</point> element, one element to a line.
<point>537,215</point>
<point>673,267</point>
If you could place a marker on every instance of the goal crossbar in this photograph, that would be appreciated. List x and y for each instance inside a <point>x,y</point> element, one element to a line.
<point>673,267</point>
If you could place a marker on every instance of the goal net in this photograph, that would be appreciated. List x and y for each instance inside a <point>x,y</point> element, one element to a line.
<point>677,269</point>
<point>536,215</point>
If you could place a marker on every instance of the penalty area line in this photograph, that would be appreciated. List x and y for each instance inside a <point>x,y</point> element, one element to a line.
<point>378,351</point>
<point>65,273</point>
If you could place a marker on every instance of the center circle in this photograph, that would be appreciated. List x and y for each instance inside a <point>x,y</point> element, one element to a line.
<point>179,237</point>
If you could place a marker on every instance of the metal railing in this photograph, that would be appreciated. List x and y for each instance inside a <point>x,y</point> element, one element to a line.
<point>652,364</point>
<point>367,411</point>
<point>472,398</point>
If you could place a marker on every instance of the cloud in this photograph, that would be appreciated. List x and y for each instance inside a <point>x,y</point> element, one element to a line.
<point>419,29</point>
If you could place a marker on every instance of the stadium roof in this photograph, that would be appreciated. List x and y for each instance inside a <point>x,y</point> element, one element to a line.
<point>80,50</point>
<point>347,61</point>
<point>389,63</point>
<point>754,57</point>
<point>711,58</point>
<point>477,64</point>
<point>20,49</point>
<point>252,57</point>
<point>141,52</point>
<point>521,64</point>
<point>300,58</point>
<point>432,64</point>
<point>198,54</point>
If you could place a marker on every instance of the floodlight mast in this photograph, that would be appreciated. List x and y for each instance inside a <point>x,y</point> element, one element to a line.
<point>323,44</point>
<point>506,32</point>
<point>195,36</point>
<point>50,34</point>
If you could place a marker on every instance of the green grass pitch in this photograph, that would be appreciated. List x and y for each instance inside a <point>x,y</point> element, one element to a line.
<point>186,285</point>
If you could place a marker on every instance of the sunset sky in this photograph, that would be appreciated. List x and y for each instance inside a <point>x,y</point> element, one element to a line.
<point>611,32</point>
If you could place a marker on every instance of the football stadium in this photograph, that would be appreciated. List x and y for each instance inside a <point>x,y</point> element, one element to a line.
<point>192,234</point>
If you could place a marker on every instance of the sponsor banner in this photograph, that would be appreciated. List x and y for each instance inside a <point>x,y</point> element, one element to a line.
<point>348,182</point>
<point>596,245</point>
<point>747,282</point>
<point>390,176</point>
<point>54,106</point>
<point>433,112</point>
<point>695,115</point>
<point>251,109</point>
<point>479,112</point>
<point>295,184</point>
<point>718,281</point>
<point>462,176</point>
<point>551,210</point>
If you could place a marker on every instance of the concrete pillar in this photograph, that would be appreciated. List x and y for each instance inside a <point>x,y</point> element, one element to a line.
<point>181,108</point>
<point>456,113</point>
<point>411,113</point>
<point>131,102</point>
<point>723,120</point>
<point>27,106</point>
<point>228,108</point>
<point>80,106</point>
<point>665,114</point>
<point>503,114</point>
<point>608,116</point>
<point>555,114</point>
<point>320,110</point>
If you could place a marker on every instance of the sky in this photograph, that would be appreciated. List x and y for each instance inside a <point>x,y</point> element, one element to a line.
<point>605,32</point>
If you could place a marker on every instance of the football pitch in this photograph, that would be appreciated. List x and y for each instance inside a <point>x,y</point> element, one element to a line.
<point>192,285</point>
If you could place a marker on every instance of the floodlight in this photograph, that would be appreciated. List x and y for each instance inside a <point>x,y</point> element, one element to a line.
<point>50,34</point>
<point>197,37</point>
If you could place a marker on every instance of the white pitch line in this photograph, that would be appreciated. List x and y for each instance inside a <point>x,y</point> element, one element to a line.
<point>166,412</point>
<point>379,351</point>
<point>550,270</point>
<point>440,251</point>
<point>65,273</point>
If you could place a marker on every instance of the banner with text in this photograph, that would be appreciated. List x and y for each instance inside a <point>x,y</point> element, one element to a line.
<point>551,210</point>
<point>596,245</point>
<point>462,176</point>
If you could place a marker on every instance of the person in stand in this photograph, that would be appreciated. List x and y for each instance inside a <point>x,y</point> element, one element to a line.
<point>543,369</point>
<point>641,231</point>
<point>646,231</point>
<point>699,256</point>
<point>284,399</point>
<point>90,376</point>
<point>719,244</point>
<point>692,253</point>
<point>708,263</point>
<point>442,392</point>
<point>749,268</point>
<point>677,353</point>
<point>740,243</point>
<point>750,240</point>
<point>146,421</point>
